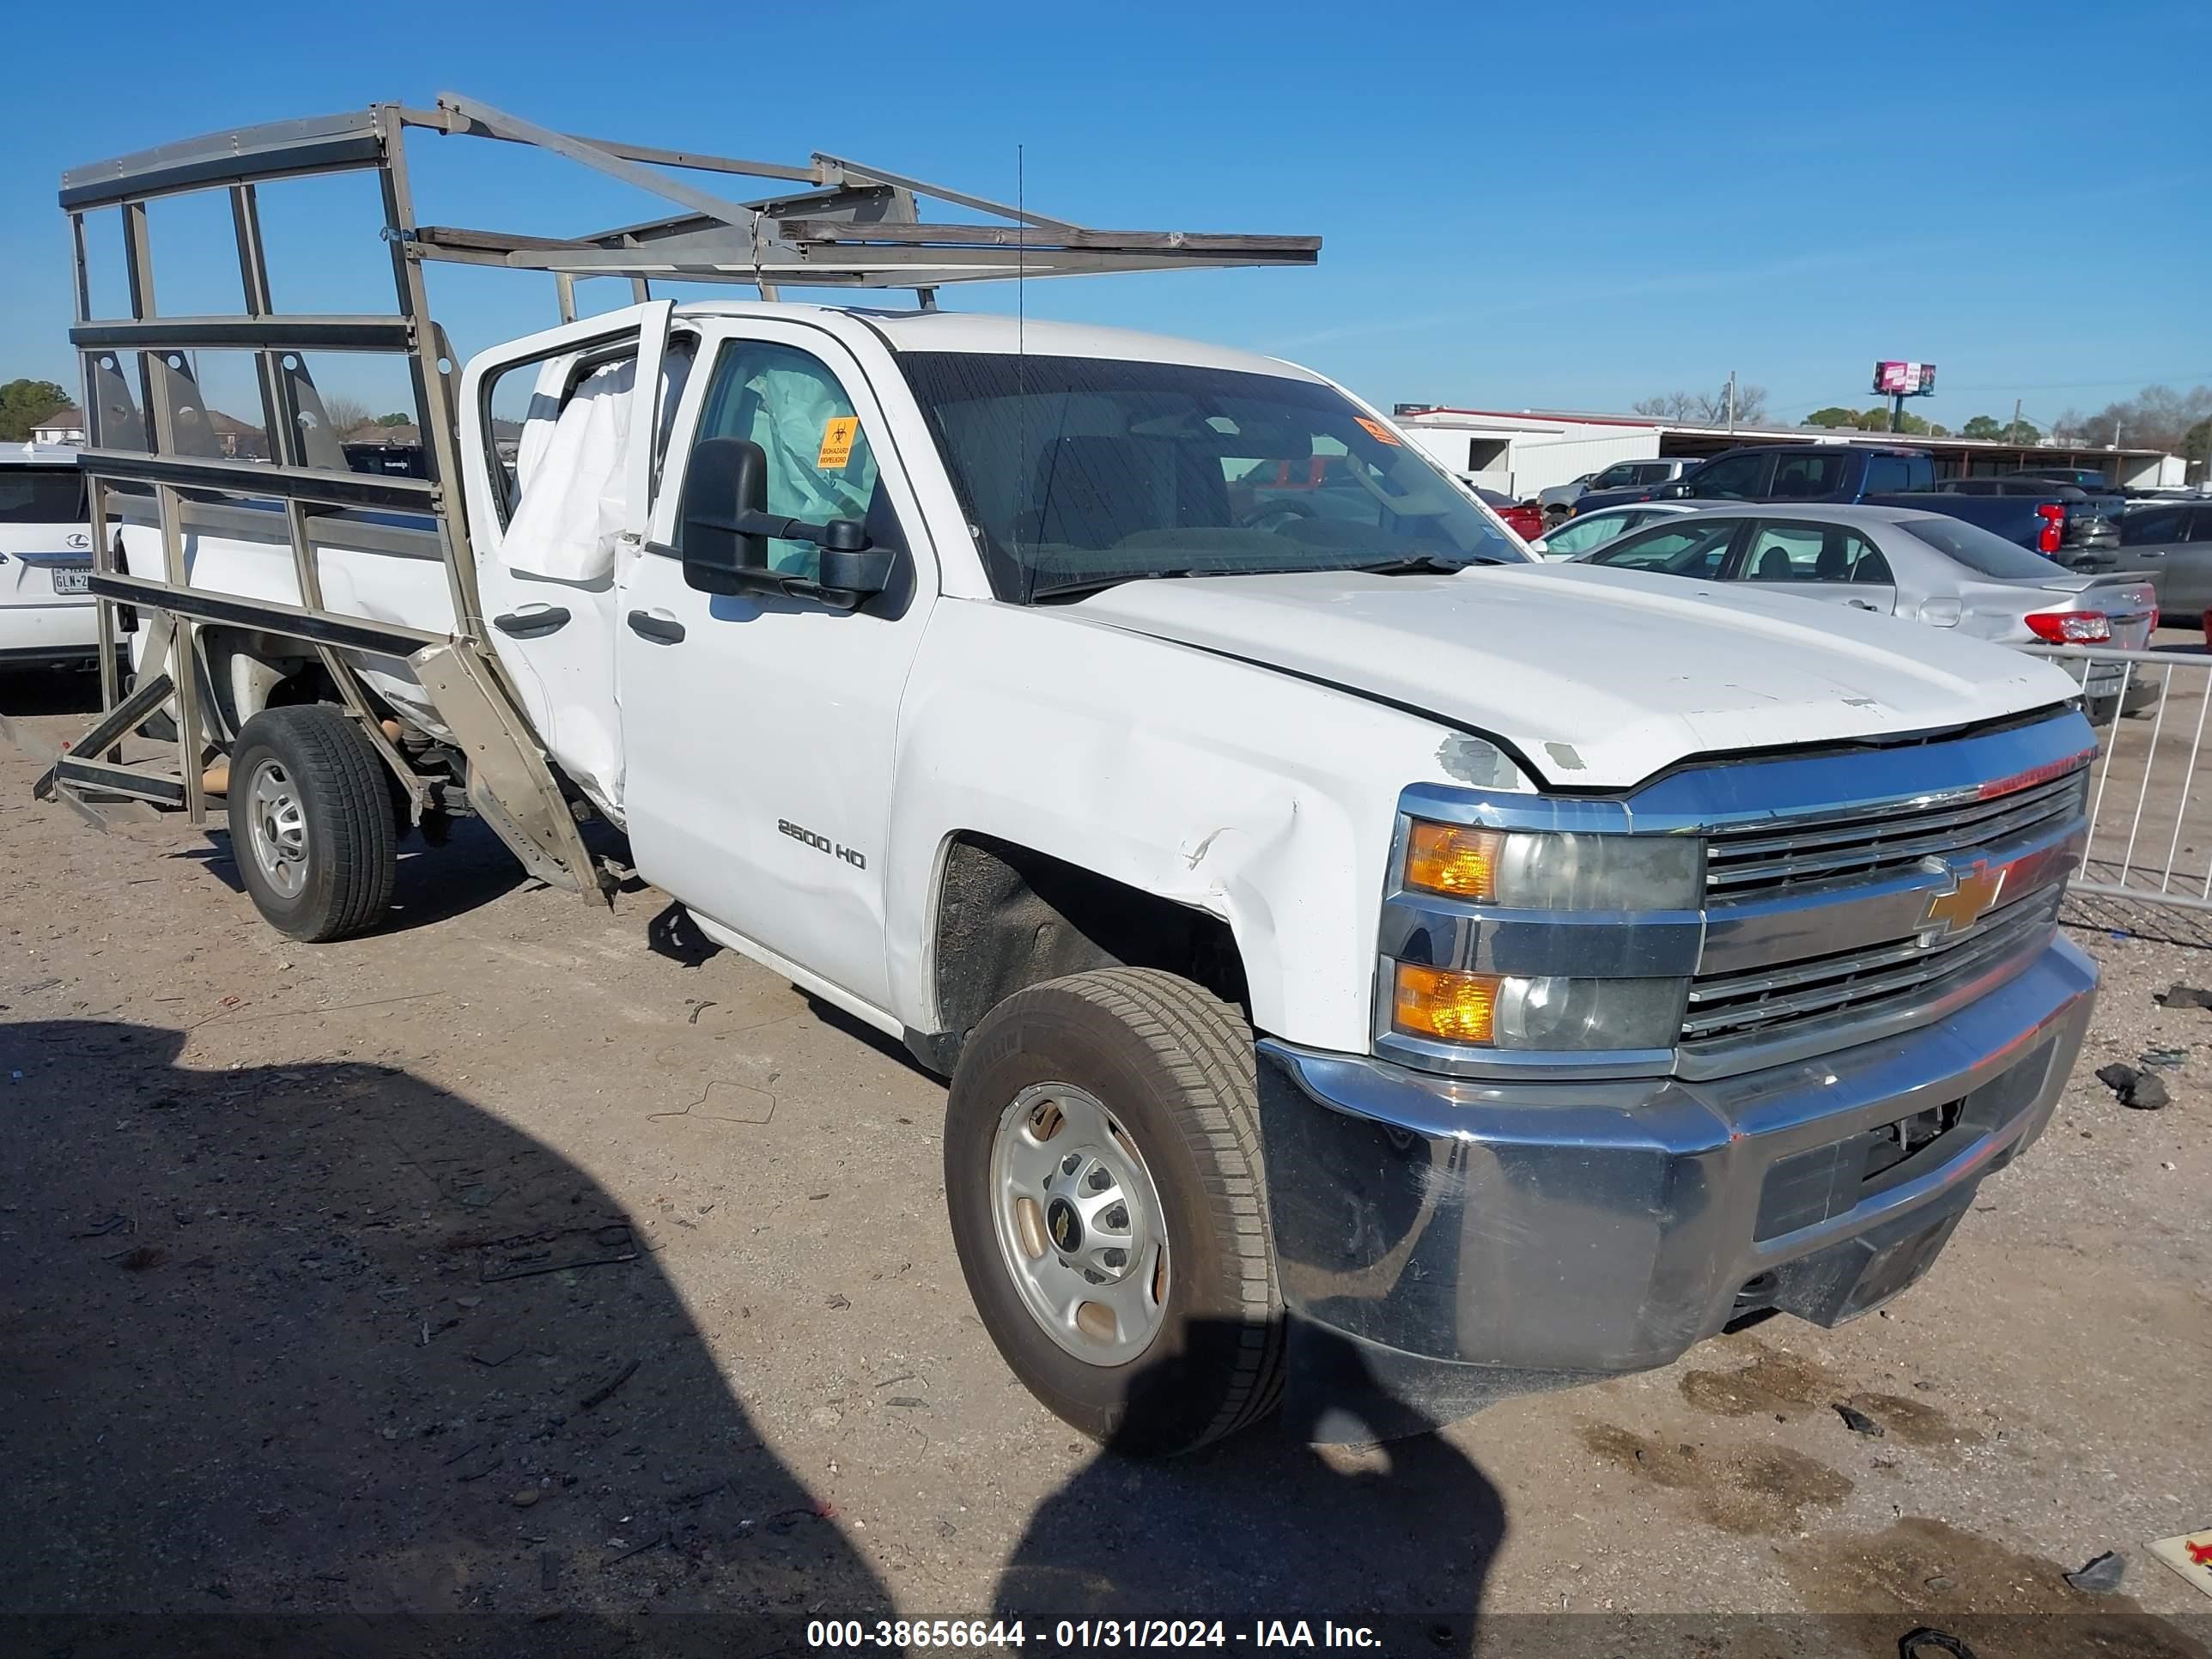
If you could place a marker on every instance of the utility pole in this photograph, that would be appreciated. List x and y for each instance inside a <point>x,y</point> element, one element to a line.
<point>1731,403</point>
<point>2013,431</point>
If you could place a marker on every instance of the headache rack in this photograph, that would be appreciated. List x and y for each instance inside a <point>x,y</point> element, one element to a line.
<point>836,223</point>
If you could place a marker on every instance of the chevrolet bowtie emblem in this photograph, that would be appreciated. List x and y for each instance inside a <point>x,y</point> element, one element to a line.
<point>1973,889</point>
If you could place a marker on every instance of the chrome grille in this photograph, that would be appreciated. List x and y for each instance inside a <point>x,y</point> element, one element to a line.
<point>1750,860</point>
<point>1727,1008</point>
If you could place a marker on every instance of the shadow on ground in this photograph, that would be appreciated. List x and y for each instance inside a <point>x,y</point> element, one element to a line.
<point>28,691</point>
<point>1398,1537</point>
<point>324,1357</point>
<point>467,868</point>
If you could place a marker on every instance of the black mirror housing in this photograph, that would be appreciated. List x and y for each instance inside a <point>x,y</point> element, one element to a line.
<point>726,531</point>
<point>725,484</point>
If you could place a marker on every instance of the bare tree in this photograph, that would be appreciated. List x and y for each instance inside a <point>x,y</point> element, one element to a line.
<point>1706,408</point>
<point>1750,406</point>
<point>2157,417</point>
<point>345,413</point>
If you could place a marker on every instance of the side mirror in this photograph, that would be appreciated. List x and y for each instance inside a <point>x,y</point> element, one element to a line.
<point>727,530</point>
<point>727,483</point>
<point>1539,548</point>
<point>1673,492</point>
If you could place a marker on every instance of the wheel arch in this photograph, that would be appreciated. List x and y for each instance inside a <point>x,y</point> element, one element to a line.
<point>1005,916</point>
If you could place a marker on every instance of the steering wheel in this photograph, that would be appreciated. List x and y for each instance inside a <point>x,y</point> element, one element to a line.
<point>1273,515</point>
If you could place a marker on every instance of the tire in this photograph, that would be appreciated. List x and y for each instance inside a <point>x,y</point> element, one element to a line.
<point>311,823</point>
<point>1171,1069</point>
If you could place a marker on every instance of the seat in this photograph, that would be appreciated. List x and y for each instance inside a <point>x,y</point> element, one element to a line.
<point>1096,490</point>
<point>1832,565</point>
<point>1774,565</point>
<point>1085,492</point>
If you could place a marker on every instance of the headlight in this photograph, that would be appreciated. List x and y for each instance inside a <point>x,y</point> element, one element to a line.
<point>1541,1013</point>
<point>1530,871</point>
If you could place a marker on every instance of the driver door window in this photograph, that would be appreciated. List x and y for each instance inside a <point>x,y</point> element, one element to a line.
<point>1737,478</point>
<point>820,466</point>
<point>1806,477</point>
<point>1813,553</point>
<point>1823,562</point>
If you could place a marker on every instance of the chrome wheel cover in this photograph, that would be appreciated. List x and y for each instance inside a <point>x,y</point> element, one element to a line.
<point>1079,1222</point>
<point>278,828</point>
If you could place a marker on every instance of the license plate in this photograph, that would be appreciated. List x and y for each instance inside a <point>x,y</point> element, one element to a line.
<point>72,581</point>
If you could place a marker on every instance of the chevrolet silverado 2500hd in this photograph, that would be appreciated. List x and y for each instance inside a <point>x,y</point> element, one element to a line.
<point>1357,953</point>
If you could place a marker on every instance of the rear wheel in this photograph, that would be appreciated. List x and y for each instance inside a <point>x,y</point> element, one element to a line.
<point>311,823</point>
<point>1102,1173</point>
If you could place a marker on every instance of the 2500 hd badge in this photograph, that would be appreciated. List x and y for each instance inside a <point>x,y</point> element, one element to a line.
<point>851,855</point>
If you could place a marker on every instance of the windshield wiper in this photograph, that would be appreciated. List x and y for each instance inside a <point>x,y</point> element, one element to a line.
<point>1417,564</point>
<point>1076,586</point>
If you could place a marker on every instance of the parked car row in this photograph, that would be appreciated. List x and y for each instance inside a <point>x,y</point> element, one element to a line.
<point>1902,561</point>
<point>2169,543</point>
<point>1621,475</point>
<point>2045,516</point>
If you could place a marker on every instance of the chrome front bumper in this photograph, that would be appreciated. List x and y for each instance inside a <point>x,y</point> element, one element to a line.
<point>1539,1233</point>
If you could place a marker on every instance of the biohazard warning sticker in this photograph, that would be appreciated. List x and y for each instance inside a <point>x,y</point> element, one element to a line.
<point>1380,433</point>
<point>2189,1555</point>
<point>837,437</point>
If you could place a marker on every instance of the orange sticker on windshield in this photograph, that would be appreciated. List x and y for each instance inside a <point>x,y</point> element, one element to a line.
<point>1380,433</point>
<point>837,437</point>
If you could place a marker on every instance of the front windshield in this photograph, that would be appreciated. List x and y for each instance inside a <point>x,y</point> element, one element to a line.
<point>1080,472</point>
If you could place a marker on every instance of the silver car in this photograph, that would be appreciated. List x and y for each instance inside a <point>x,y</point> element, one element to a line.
<point>1906,562</point>
<point>2169,544</point>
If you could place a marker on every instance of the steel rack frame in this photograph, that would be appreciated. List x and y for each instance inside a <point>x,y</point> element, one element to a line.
<point>839,224</point>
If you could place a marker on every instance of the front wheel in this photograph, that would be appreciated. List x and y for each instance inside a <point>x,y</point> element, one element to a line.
<point>1102,1173</point>
<point>310,821</point>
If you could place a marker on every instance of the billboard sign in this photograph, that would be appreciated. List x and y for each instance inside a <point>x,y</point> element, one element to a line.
<point>1904,379</point>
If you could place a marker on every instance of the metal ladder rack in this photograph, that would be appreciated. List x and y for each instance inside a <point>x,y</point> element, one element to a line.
<point>845,224</point>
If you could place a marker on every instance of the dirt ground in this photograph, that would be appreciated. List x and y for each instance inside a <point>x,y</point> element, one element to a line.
<point>535,1260</point>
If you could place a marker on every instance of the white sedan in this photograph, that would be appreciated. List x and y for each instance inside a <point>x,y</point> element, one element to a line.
<point>1591,531</point>
<point>46,614</point>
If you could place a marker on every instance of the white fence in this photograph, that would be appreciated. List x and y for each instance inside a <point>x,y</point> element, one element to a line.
<point>2148,868</point>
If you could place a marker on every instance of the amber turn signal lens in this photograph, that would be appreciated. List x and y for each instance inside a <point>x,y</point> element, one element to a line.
<point>1450,858</point>
<point>1436,1002</point>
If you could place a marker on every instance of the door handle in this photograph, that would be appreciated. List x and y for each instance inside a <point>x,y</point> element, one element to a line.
<point>529,624</point>
<point>1861,604</point>
<point>660,628</point>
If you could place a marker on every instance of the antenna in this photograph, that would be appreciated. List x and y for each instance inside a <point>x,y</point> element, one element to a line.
<point>1021,347</point>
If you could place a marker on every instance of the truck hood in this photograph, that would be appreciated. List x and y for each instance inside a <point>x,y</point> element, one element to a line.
<point>1598,677</point>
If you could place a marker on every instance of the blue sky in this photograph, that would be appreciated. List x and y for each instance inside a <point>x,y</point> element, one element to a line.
<point>1550,206</point>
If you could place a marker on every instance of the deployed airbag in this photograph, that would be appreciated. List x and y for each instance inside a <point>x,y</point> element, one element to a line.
<point>571,473</point>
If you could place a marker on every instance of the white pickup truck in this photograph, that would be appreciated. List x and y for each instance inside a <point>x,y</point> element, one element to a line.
<point>1361,956</point>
